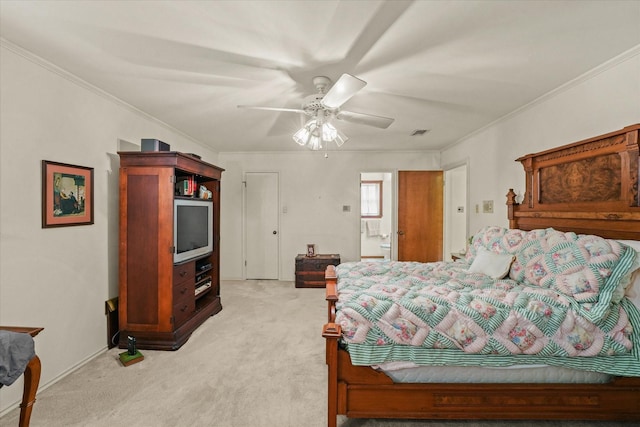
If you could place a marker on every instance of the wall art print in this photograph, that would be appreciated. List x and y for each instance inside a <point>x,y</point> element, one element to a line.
<point>67,195</point>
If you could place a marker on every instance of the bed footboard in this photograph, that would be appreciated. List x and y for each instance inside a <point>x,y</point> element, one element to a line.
<point>361,392</point>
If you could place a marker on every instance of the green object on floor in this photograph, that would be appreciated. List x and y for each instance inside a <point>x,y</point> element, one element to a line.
<point>128,359</point>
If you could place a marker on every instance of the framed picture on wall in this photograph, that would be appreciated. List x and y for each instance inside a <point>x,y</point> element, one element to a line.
<point>311,250</point>
<point>67,195</point>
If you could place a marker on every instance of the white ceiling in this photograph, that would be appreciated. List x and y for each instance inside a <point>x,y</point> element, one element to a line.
<point>448,66</point>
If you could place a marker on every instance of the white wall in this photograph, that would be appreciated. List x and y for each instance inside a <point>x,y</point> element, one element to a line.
<point>313,190</point>
<point>60,278</point>
<point>604,100</point>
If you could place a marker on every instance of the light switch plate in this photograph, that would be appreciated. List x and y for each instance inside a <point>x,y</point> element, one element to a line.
<point>487,206</point>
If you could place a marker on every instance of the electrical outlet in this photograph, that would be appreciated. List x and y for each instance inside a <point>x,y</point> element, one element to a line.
<point>346,208</point>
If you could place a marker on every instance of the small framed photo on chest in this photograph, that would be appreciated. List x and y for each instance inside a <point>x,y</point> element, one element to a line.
<point>311,250</point>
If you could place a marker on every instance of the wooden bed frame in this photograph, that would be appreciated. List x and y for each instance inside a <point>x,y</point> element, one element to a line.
<point>590,187</point>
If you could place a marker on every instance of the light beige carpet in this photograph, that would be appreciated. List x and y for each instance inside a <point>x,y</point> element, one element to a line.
<point>258,363</point>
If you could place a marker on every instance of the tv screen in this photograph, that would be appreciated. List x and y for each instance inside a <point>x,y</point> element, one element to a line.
<point>192,226</point>
<point>193,223</point>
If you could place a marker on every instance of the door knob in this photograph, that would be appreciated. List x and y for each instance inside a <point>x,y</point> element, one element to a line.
<point>275,232</point>
<point>400,232</point>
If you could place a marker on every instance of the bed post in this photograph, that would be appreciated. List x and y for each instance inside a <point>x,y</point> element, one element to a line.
<point>511,202</point>
<point>527,163</point>
<point>331,280</point>
<point>632,154</point>
<point>331,332</point>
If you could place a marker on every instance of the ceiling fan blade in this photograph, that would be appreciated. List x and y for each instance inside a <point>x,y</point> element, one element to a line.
<point>292,110</point>
<point>365,119</point>
<point>346,86</point>
<point>386,16</point>
<point>172,55</point>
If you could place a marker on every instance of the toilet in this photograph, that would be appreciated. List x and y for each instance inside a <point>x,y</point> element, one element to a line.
<point>386,250</point>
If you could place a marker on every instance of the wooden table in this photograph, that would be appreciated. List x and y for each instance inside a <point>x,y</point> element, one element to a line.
<point>31,376</point>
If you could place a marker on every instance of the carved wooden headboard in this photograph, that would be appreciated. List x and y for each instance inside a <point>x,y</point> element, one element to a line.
<point>589,187</point>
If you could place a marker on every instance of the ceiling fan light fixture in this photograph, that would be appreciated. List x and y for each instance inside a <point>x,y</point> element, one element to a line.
<point>340,139</point>
<point>302,136</point>
<point>315,143</point>
<point>329,133</point>
<point>316,132</point>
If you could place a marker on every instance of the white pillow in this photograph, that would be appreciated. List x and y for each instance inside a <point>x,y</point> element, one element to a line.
<point>493,265</point>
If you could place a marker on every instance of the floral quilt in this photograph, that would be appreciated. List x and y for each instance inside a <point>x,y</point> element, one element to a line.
<point>557,306</point>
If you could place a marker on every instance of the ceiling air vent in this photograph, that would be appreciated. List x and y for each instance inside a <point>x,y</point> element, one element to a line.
<point>419,132</point>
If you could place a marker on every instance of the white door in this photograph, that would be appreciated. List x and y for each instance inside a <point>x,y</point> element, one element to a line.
<point>261,225</point>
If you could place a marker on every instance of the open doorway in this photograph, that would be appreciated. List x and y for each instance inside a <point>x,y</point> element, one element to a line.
<point>376,216</point>
<point>456,211</point>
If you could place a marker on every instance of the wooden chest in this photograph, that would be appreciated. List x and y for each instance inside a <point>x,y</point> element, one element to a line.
<point>310,270</point>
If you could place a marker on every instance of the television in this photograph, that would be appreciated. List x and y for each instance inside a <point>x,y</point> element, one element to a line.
<point>192,229</point>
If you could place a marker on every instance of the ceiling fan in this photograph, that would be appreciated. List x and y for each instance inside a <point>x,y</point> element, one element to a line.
<point>324,106</point>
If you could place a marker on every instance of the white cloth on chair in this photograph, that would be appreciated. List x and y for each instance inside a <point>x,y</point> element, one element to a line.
<point>373,227</point>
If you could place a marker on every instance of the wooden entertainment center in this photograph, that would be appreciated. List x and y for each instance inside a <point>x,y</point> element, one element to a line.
<point>161,302</point>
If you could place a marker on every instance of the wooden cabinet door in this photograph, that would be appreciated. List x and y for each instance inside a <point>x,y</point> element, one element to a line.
<point>146,227</point>
<point>420,216</point>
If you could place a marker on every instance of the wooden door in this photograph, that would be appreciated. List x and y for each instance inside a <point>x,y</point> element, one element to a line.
<point>261,225</point>
<point>420,216</point>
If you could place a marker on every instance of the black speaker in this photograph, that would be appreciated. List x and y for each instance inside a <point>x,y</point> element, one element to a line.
<point>154,145</point>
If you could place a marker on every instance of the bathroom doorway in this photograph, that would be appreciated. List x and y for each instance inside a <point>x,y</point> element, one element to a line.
<point>376,216</point>
<point>456,215</point>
